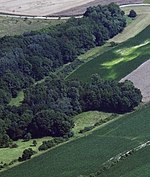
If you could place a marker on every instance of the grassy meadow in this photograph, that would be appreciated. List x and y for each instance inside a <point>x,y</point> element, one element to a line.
<point>68,160</point>
<point>9,154</point>
<point>87,119</point>
<point>10,26</point>
<point>119,61</point>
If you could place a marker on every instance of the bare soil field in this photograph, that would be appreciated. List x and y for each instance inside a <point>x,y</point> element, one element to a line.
<point>80,9</point>
<point>141,79</point>
<point>38,7</point>
<point>55,7</point>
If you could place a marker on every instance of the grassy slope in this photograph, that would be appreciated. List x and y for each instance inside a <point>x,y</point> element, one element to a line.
<point>10,26</point>
<point>136,165</point>
<point>69,160</point>
<point>118,62</point>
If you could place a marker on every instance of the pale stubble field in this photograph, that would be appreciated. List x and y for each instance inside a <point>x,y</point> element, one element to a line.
<point>51,7</point>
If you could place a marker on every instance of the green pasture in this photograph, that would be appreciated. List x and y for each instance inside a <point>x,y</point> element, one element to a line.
<point>119,61</point>
<point>136,165</point>
<point>10,26</point>
<point>85,155</point>
<point>87,119</point>
<point>9,154</point>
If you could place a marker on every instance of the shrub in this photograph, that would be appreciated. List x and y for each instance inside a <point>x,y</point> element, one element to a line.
<point>86,129</point>
<point>27,153</point>
<point>59,140</point>
<point>34,142</point>
<point>27,137</point>
<point>132,14</point>
<point>14,145</point>
<point>47,145</point>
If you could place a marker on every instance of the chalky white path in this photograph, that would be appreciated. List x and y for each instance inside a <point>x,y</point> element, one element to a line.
<point>141,79</point>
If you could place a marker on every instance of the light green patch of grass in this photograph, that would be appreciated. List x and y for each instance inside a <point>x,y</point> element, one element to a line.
<point>9,154</point>
<point>87,119</point>
<point>94,52</point>
<point>10,26</point>
<point>18,100</point>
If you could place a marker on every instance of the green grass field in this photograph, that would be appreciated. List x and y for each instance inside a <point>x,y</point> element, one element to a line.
<point>136,165</point>
<point>89,118</point>
<point>9,154</point>
<point>118,62</point>
<point>85,155</point>
<point>10,26</point>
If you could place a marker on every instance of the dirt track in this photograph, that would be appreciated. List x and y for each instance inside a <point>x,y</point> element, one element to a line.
<point>49,7</point>
<point>141,79</point>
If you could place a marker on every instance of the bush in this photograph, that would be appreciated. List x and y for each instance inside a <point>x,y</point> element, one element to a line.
<point>132,14</point>
<point>14,145</point>
<point>47,145</point>
<point>113,44</point>
<point>27,153</point>
<point>34,142</point>
<point>86,129</point>
<point>27,137</point>
<point>59,140</point>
